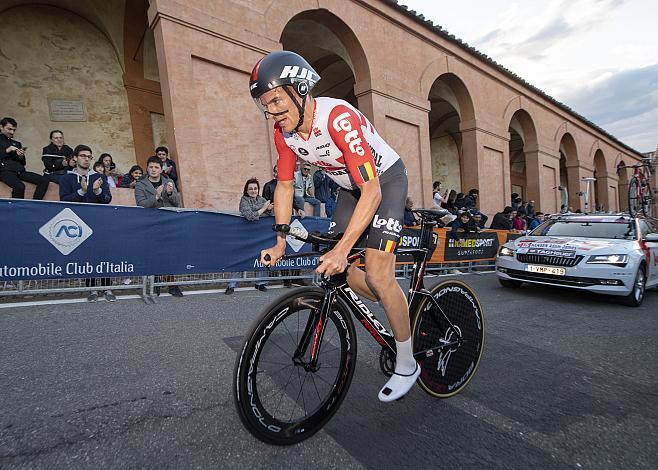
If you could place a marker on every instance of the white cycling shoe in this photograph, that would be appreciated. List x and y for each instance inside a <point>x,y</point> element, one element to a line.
<point>398,385</point>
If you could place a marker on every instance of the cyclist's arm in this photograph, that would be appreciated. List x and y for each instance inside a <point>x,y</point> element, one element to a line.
<point>285,189</point>
<point>345,131</point>
<point>283,194</point>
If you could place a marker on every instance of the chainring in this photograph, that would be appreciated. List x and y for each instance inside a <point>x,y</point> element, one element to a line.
<point>387,362</point>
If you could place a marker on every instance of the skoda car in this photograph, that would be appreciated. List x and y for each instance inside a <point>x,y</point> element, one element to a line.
<point>606,254</point>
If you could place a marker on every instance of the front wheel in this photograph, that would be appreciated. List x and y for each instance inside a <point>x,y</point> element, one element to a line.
<point>636,296</point>
<point>281,398</point>
<point>448,338</point>
<point>635,203</point>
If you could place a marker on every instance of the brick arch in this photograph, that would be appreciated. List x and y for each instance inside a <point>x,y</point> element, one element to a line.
<point>87,16</point>
<point>458,87</point>
<point>527,126</point>
<point>570,145</point>
<point>599,162</point>
<point>439,70</point>
<point>278,21</point>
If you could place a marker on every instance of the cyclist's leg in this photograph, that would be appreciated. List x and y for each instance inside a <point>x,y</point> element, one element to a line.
<point>383,237</point>
<point>345,204</point>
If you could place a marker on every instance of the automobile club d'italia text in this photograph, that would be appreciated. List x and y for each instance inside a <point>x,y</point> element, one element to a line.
<point>69,269</point>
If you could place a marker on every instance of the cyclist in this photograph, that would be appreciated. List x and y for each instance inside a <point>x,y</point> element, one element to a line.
<point>337,138</point>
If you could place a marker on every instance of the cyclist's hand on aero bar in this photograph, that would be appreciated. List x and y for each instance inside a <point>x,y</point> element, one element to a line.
<point>332,262</point>
<point>273,255</point>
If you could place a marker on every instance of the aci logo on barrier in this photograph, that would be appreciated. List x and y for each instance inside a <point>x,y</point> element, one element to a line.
<point>295,244</point>
<point>66,231</point>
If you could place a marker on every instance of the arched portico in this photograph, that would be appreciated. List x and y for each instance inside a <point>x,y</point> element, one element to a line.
<point>570,164</point>
<point>523,149</point>
<point>604,185</point>
<point>622,193</point>
<point>450,102</point>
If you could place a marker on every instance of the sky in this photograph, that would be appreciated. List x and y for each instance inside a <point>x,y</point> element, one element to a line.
<point>599,57</point>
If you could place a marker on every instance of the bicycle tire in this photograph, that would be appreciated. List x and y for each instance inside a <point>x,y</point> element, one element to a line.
<point>633,197</point>
<point>270,345</point>
<point>446,373</point>
<point>647,201</point>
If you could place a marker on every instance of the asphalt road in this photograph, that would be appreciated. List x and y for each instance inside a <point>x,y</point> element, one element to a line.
<point>567,380</point>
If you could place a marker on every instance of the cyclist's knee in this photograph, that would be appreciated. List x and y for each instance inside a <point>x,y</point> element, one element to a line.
<point>379,281</point>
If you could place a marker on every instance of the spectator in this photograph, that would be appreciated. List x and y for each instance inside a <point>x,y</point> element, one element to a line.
<point>84,185</point>
<point>479,219</point>
<point>268,193</point>
<point>409,217</point>
<point>516,202</point>
<point>450,203</point>
<point>71,162</point>
<point>168,165</point>
<point>252,207</point>
<point>438,200</point>
<point>503,220</point>
<point>536,221</point>
<point>129,180</point>
<point>155,191</point>
<point>55,157</point>
<point>110,169</point>
<point>304,189</point>
<point>522,210</point>
<point>459,202</point>
<point>470,201</point>
<point>530,210</point>
<point>513,199</point>
<point>12,163</point>
<point>326,190</point>
<point>518,222</point>
<point>462,226</point>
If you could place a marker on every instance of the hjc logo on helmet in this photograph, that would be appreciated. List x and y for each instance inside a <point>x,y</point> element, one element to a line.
<point>294,71</point>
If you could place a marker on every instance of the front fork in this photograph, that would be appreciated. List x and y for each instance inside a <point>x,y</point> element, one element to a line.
<point>313,334</point>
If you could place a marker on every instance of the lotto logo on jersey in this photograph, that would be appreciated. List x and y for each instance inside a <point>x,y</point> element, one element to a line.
<point>342,122</point>
<point>389,224</point>
<point>294,71</point>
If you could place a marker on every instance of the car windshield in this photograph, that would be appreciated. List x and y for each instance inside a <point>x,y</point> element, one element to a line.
<point>620,229</point>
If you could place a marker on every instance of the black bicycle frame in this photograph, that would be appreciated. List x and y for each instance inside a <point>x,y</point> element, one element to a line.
<point>337,286</point>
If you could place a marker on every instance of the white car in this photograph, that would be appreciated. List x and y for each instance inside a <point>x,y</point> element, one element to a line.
<point>607,254</point>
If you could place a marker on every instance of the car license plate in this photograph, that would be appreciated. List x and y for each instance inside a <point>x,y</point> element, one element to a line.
<point>546,270</point>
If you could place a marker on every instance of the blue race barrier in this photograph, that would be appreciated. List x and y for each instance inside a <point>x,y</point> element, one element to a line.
<point>50,240</point>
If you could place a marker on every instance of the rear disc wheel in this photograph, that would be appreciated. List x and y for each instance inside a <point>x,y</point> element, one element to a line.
<point>448,352</point>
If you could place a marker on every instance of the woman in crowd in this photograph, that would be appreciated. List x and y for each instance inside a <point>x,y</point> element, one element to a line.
<point>518,222</point>
<point>129,180</point>
<point>252,207</point>
<point>110,169</point>
<point>450,203</point>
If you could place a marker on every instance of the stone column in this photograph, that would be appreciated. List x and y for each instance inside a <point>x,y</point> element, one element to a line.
<point>485,163</point>
<point>403,122</point>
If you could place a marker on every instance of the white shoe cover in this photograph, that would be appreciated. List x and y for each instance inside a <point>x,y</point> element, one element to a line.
<point>398,386</point>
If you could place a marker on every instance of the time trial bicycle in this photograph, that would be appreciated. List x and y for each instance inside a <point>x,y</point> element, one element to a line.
<point>298,358</point>
<point>640,196</point>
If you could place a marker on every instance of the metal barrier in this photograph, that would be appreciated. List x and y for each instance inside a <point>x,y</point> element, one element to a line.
<point>50,287</point>
<point>145,286</point>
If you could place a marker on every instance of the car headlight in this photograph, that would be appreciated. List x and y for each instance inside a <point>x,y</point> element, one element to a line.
<point>504,251</point>
<point>617,260</point>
